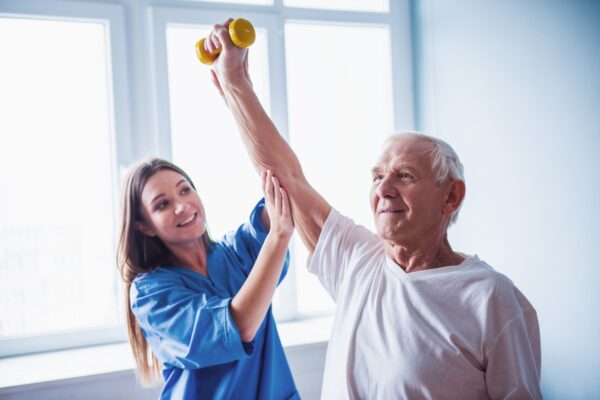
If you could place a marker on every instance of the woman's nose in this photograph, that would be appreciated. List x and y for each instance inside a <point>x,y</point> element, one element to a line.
<point>179,207</point>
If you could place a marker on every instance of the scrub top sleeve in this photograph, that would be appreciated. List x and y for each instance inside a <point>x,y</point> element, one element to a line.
<point>248,239</point>
<point>186,329</point>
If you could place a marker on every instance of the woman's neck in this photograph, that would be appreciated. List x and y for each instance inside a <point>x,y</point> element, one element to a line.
<point>191,256</point>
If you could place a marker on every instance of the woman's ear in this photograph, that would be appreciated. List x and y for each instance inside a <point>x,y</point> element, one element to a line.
<point>145,229</point>
<point>455,194</point>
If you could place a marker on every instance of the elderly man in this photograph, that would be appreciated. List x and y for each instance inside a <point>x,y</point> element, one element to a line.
<point>414,319</point>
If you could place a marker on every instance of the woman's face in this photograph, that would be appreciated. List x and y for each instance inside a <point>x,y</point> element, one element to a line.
<point>171,209</point>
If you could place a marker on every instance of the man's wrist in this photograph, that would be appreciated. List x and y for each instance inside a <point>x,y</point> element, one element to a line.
<point>233,79</point>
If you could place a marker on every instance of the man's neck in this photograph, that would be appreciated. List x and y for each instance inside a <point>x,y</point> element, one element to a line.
<point>423,256</point>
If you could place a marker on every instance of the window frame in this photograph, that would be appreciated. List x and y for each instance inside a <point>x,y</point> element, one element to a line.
<point>137,54</point>
<point>112,16</point>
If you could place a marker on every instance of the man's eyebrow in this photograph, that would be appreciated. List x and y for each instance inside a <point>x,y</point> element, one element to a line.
<point>162,194</point>
<point>404,165</point>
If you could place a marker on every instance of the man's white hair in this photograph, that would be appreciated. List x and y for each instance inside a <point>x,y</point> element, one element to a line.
<point>445,163</point>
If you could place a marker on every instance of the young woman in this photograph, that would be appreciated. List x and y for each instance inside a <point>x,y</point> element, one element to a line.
<point>196,309</point>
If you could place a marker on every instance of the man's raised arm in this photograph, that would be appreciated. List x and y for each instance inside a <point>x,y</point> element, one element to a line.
<point>266,147</point>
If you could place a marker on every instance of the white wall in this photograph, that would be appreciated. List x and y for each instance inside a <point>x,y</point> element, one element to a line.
<point>514,86</point>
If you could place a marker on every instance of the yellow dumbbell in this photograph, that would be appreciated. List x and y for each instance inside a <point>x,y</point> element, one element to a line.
<point>242,35</point>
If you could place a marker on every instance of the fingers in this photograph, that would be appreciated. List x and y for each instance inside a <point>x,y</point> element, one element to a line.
<point>285,203</point>
<point>267,186</point>
<point>228,22</point>
<point>277,194</point>
<point>220,34</point>
<point>211,43</point>
<point>271,190</point>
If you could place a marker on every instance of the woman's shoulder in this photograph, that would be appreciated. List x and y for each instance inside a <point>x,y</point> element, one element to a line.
<point>155,278</point>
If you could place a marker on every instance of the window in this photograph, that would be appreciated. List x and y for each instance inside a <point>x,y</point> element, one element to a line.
<point>349,5</point>
<point>342,115</point>
<point>95,97</point>
<point>205,140</point>
<point>58,285</point>
<point>57,244</point>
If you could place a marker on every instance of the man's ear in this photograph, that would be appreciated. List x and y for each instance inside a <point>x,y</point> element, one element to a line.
<point>455,194</point>
<point>145,229</point>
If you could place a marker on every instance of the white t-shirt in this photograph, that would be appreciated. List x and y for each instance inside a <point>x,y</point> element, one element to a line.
<point>457,332</point>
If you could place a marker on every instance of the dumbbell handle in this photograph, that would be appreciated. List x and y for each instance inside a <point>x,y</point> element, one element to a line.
<point>242,35</point>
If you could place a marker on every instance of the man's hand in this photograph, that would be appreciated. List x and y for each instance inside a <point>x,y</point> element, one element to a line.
<point>232,64</point>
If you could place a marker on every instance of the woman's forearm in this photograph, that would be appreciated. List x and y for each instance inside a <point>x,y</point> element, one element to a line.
<point>249,306</point>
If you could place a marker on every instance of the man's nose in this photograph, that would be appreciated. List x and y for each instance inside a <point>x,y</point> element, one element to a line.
<point>386,188</point>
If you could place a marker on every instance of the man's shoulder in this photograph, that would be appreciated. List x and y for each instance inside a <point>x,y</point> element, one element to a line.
<point>339,224</point>
<point>497,287</point>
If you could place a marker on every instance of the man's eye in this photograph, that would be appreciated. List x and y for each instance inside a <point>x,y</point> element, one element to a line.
<point>404,175</point>
<point>377,178</point>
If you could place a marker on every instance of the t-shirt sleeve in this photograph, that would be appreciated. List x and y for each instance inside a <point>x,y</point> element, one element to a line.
<point>245,242</point>
<point>186,329</point>
<point>342,246</point>
<point>514,361</point>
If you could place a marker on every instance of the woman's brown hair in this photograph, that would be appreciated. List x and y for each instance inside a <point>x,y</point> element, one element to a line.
<point>138,253</point>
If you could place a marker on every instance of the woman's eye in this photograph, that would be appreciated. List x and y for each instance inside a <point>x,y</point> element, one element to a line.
<point>161,205</point>
<point>185,190</point>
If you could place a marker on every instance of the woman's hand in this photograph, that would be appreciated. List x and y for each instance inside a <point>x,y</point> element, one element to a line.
<point>250,305</point>
<point>278,206</point>
<point>232,64</point>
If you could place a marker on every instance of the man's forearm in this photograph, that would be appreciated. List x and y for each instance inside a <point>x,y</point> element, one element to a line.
<point>266,147</point>
<point>268,150</point>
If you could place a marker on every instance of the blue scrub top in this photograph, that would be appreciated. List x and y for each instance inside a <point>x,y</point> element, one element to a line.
<point>186,321</point>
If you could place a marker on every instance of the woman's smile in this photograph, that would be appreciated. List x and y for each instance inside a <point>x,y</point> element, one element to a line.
<point>187,221</point>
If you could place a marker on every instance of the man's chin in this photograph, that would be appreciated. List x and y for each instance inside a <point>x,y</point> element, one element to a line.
<point>387,232</point>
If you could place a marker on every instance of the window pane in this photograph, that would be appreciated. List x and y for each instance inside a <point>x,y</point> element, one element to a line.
<point>347,5</point>
<point>205,139</point>
<point>57,260</point>
<point>251,2</point>
<point>340,111</point>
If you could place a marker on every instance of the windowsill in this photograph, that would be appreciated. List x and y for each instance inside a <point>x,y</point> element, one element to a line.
<point>97,360</point>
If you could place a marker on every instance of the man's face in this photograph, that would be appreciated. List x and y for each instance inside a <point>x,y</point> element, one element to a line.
<point>406,200</point>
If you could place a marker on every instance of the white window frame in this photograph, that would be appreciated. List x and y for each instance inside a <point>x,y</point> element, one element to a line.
<point>112,16</point>
<point>138,61</point>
